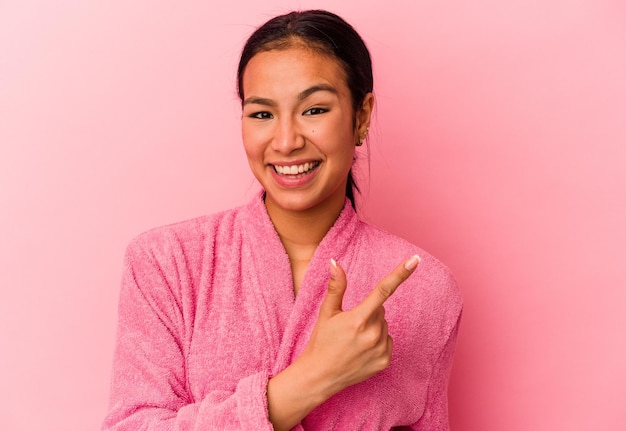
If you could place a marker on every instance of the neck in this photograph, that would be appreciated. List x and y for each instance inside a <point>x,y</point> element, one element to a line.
<point>302,231</point>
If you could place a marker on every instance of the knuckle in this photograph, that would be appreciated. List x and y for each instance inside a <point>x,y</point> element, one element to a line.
<point>384,362</point>
<point>385,329</point>
<point>385,357</point>
<point>385,289</point>
<point>359,324</point>
<point>334,287</point>
<point>371,339</point>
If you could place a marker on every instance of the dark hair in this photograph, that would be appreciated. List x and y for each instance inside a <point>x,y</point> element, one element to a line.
<point>329,34</point>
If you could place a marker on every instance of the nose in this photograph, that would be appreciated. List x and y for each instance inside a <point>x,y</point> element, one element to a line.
<point>287,136</point>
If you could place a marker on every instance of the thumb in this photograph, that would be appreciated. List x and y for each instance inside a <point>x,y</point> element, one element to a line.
<point>331,304</point>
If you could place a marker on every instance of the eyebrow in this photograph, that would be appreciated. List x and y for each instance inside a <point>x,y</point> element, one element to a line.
<point>301,96</point>
<point>314,89</point>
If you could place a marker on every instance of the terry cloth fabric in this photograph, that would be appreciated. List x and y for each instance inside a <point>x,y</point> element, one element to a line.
<point>207,315</point>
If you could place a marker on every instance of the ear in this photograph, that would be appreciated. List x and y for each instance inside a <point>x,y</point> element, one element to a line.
<point>364,115</point>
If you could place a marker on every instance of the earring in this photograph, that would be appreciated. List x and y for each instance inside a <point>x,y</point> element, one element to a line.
<point>362,137</point>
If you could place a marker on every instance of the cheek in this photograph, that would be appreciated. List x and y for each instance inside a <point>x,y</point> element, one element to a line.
<point>251,142</point>
<point>254,155</point>
<point>349,155</point>
<point>341,153</point>
<point>340,149</point>
<point>337,135</point>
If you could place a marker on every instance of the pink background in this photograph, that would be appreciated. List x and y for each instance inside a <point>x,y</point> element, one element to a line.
<point>499,145</point>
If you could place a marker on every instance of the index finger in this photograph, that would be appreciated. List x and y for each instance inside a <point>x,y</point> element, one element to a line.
<point>388,285</point>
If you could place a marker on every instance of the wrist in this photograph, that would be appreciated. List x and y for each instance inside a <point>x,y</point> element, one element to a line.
<point>295,392</point>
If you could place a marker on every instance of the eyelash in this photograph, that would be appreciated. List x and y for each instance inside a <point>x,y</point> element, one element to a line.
<point>264,115</point>
<point>316,110</point>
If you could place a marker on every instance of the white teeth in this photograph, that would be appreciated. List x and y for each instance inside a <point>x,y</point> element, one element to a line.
<point>295,169</point>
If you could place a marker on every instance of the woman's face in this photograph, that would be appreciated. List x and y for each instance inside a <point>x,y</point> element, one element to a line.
<point>298,127</point>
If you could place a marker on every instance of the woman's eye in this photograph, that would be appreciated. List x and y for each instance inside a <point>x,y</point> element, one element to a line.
<point>314,111</point>
<point>263,115</point>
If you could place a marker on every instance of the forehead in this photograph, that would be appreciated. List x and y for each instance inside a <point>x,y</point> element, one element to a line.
<point>292,68</point>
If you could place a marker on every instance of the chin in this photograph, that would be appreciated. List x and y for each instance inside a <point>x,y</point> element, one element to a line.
<point>303,201</point>
<point>293,203</point>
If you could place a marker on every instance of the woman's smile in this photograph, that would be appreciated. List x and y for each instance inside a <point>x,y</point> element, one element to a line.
<point>295,169</point>
<point>295,175</point>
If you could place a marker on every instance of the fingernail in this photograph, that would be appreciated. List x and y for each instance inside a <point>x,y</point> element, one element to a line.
<point>333,268</point>
<point>412,263</point>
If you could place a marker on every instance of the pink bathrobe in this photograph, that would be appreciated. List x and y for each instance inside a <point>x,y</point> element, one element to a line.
<point>207,315</point>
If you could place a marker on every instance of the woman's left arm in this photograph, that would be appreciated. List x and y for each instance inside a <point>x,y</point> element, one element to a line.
<point>435,416</point>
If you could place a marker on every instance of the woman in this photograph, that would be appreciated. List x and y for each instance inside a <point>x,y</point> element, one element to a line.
<point>270,316</point>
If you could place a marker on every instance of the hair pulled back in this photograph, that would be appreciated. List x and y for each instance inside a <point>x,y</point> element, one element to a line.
<point>330,35</point>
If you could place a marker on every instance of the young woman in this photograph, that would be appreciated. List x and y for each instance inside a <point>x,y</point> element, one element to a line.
<point>284,313</point>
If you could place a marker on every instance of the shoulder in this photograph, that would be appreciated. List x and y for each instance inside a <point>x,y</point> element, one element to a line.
<point>190,237</point>
<point>432,288</point>
<point>389,247</point>
<point>172,264</point>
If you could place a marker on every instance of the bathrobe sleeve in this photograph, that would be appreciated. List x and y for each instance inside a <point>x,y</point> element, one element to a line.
<point>435,416</point>
<point>149,389</point>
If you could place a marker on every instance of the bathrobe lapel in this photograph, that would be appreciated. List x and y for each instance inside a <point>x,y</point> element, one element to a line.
<point>289,321</point>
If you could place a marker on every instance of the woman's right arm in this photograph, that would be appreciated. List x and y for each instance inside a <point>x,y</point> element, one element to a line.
<point>346,347</point>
